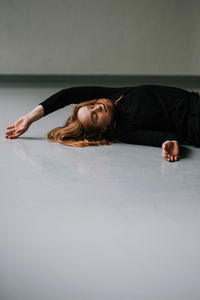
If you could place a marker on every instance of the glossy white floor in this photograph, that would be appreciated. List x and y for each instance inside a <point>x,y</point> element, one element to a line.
<point>98,223</point>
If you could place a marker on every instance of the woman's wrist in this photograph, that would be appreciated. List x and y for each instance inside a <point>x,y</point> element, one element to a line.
<point>36,114</point>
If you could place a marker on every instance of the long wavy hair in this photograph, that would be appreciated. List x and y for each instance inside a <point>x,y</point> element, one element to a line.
<point>74,134</point>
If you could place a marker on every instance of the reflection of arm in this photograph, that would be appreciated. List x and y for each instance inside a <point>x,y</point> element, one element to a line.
<point>75,95</point>
<point>148,137</point>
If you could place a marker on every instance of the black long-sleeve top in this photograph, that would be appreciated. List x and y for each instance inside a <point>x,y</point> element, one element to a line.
<point>146,114</point>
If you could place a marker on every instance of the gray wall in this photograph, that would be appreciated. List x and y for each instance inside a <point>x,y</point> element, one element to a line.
<point>156,37</point>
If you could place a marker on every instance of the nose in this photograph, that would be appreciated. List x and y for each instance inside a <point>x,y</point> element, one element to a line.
<point>98,107</point>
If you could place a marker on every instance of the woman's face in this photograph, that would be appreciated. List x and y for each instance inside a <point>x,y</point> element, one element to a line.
<point>98,115</point>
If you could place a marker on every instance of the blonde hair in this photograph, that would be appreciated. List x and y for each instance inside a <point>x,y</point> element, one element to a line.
<point>74,134</point>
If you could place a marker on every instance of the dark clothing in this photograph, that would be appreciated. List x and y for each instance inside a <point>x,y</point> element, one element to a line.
<point>193,128</point>
<point>146,114</point>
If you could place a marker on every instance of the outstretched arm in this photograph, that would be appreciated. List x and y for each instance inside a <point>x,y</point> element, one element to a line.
<point>75,95</point>
<point>57,101</point>
<point>23,123</point>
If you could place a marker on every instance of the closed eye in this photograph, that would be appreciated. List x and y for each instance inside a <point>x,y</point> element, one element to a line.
<point>92,116</point>
<point>96,116</point>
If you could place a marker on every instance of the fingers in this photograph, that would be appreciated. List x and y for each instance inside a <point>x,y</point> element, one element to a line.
<point>176,157</point>
<point>165,150</point>
<point>9,133</point>
<point>169,152</point>
<point>171,158</point>
<point>13,134</point>
<point>165,154</point>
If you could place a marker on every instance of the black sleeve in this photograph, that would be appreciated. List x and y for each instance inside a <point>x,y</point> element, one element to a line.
<point>75,95</point>
<point>148,137</point>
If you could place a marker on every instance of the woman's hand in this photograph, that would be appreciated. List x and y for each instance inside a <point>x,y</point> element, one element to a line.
<point>18,128</point>
<point>170,150</point>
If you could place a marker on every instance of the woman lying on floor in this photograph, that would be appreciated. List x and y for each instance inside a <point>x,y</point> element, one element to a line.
<point>153,115</point>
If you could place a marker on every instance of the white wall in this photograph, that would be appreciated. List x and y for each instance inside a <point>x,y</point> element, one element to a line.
<point>149,37</point>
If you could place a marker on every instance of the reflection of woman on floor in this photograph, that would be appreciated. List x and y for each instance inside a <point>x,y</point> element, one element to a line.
<point>153,115</point>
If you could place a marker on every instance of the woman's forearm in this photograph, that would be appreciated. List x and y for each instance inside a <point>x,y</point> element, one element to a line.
<point>36,114</point>
<point>23,123</point>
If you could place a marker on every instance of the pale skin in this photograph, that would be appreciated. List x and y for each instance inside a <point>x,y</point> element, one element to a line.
<point>170,150</point>
<point>96,115</point>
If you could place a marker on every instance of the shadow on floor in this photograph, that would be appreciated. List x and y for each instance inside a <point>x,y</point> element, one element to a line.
<point>184,152</point>
<point>31,138</point>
